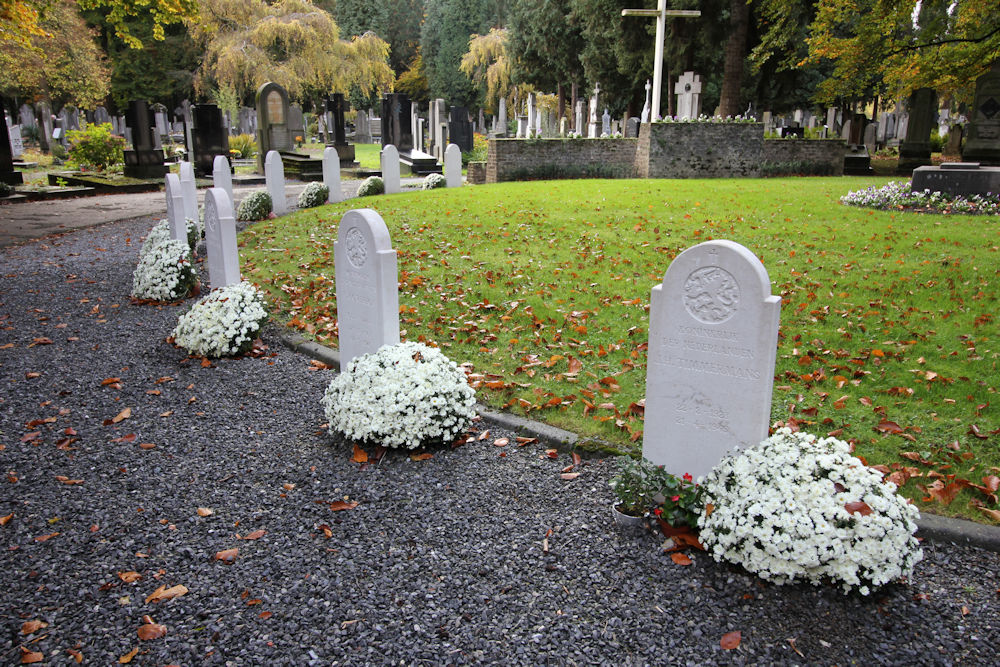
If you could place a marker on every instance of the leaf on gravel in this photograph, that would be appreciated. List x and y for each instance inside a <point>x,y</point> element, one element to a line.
<point>77,655</point>
<point>227,556</point>
<point>129,577</point>
<point>106,381</point>
<point>501,442</point>
<point>147,445</point>
<point>4,520</point>
<point>204,511</point>
<point>522,441</point>
<point>791,642</point>
<point>680,558</point>
<point>341,505</point>
<point>164,593</point>
<point>148,631</point>
<point>264,615</point>
<point>255,535</point>
<point>32,375</point>
<point>30,657</point>
<point>128,437</point>
<point>68,481</point>
<point>43,538</point>
<point>127,658</point>
<point>288,486</point>
<point>731,640</point>
<point>569,475</point>
<point>552,453</point>
<point>121,416</point>
<point>360,455</point>
<point>420,456</point>
<point>32,626</point>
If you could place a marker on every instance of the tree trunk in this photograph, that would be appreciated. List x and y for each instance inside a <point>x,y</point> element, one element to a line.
<point>736,46</point>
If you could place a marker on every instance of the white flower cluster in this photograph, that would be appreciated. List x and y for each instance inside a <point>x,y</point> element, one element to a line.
<point>314,194</point>
<point>255,206</point>
<point>403,395</point>
<point>432,181</point>
<point>795,508</point>
<point>373,185</point>
<point>164,272</point>
<point>223,323</point>
<point>897,195</point>
<point>161,232</point>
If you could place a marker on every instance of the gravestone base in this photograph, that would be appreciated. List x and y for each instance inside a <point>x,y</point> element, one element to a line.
<point>11,177</point>
<point>857,162</point>
<point>911,156</point>
<point>419,163</point>
<point>301,166</point>
<point>145,164</point>
<point>982,154</point>
<point>346,154</point>
<point>957,178</point>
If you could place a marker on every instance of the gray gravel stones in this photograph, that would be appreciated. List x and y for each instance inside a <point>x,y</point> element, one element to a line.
<point>443,561</point>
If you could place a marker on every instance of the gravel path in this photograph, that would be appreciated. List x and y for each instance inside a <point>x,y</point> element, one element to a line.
<point>448,560</point>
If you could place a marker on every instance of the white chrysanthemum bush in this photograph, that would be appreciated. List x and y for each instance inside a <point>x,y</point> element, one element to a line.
<point>404,395</point>
<point>314,194</point>
<point>434,181</point>
<point>223,323</point>
<point>800,509</point>
<point>161,232</point>
<point>165,272</point>
<point>373,185</point>
<point>255,206</point>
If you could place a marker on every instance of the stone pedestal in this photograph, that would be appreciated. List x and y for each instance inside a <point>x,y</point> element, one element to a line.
<point>957,178</point>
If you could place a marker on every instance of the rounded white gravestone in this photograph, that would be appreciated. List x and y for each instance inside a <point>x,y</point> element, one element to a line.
<point>274,176</point>
<point>222,175</point>
<point>453,166</point>
<point>189,190</point>
<point>331,174</point>
<point>220,239</point>
<point>390,169</point>
<point>175,208</point>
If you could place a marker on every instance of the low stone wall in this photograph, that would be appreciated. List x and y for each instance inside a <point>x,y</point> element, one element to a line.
<point>537,159</point>
<point>699,150</point>
<point>804,157</point>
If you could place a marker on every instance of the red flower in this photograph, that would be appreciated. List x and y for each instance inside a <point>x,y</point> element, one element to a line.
<point>688,477</point>
<point>657,511</point>
<point>675,498</point>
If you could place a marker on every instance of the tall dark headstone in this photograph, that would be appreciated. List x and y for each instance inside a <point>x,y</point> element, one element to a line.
<point>915,149</point>
<point>336,107</point>
<point>396,127</point>
<point>144,160</point>
<point>983,142</point>
<point>208,136</point>
<point>272,122</point>
<point>460,129</point>
<point>7,173</point>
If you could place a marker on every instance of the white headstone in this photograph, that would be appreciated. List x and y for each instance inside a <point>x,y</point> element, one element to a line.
<point>16,143</point>
<point>688,90</point>
<point>831,119</point>
<point>222,177</point>
<point>367,285</point>
<point>502,117</point>
<point>713,334</point>
<point>532,128</point>
<point>274,176</point>
<point>592,121</point>
<point>390,169</point>
<point>189,190</point>
<point>578,127</point>
<point>606,123</point>
<point>331,174</point>
<point>220,239</point>
<point>175,208</point>
<point>453,165</point>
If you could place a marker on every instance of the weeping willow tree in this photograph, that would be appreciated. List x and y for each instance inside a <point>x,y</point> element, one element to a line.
<point>292,43</point>
<point>486,63</point>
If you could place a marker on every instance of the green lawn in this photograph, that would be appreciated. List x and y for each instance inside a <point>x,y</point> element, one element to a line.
<point>888,324</point>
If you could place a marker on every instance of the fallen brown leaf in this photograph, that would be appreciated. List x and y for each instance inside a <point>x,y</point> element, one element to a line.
<point>29,627</point>
<point>163,593</point>
<point>127,658</point>
<point>341,505</point>
<point>149,631</point>
<point>731,640</point>
<point>680,558</point>
<point>227,556</point>
<point>255,535</point>
<point>30,657</point>
<point>129,577</point>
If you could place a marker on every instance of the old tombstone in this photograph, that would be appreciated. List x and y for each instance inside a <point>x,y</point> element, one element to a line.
<point>957,178</point>
<point>222,175</point>
<point>331,174</point>
<point>367,285</point>
<point>439,127</point>
<point>915,149</point>
<point>296,124</point>
<point>175,208</point>
<point>144,160</point>
<point>220,239</point>
<point>16,142</point>
<point>101,116</point>
<point>768,127</point>
<point>871,130</point>
<point>390,169</point>
<point>362,133</point>
<point>983,141</point>
<point>274,176</point>
<point>189,190</point>
<point>247,120</point>
<point>336,108</point>
<point>460,129</point>
<point>44,125</point>
<point>502,117</point>
<point>27,116</point>
<point>396,128</point>
<point>831,120</point>
<point>522,127</point>
<point>7,173</point>
<point>632,127</point>
<point>531,113</point>
<point>563,126</point>
<point>606,123</point>
<point>578,119</point>
<point>688,91</point>
<point>644,116</point>
<point>954,144</point>
<point>453,166</point>
<point>208,137</point>
<point>592,120</point>
<point>273,132</point>
<point>713,333</point>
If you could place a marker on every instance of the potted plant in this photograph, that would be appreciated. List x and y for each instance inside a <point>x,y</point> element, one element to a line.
<point>634,487</point>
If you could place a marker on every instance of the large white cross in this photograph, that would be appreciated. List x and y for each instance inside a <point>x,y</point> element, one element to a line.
<point>660,14</point>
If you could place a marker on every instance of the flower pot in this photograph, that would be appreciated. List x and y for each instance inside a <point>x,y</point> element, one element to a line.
<point>627,520</point>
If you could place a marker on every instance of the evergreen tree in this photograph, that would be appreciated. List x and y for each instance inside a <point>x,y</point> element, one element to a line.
<point>444,39</point>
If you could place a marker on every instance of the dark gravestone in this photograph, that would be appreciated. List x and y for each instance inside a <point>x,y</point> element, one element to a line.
<point>209,138</point>
<point>915,149</point>
<point>957,178</point>
<point>632,127</point>
<point>396,126</point>
<point>983,141</point>
<point>460,129</point>
<point>336,107</point>
<point>144,161</point>
<point>272,122</point>
<point>858,123</point>
<point>799,132</point>
<point>954,144</point>
<point>7,173</point>
<point>857,161</point>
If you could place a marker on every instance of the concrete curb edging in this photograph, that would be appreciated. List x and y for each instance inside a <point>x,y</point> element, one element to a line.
<point>930,526</point>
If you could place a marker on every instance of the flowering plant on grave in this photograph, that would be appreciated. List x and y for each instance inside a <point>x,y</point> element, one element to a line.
<point>681,500</point>
<point>255,206</point>
<point>403,395</point>
<point>433,181</point>
<point>161,232</point>
<point>634,486</point>
<point>314,194</point>
<point>373,185</point>
<point>164,273</point>
<point>707,119</point>
<point>222,323</point>
<point>643,487</point>
<point>897,195</point>
<point>795,508</point>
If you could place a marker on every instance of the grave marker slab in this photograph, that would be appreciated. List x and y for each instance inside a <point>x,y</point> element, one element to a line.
<point>189,190</point>
<point>220,239</point>
<point>7,173</point>
<point>222,175</point>
<point>453,166</point>
<point>274,176</point>
<point>390,169</point>
<point>175,208</point>
<point>209,137</point>
<point>367,285</point>
<point>983,142</point>
<point>712,342</point>
<point>273,133</point>
<point>688,91</point>
<point>331,174</point>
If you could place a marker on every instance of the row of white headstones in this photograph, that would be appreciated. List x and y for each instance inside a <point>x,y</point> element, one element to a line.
<point>713,326</point>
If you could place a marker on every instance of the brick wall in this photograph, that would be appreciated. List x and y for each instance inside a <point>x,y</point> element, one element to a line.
<point>699,150</point>
<point>533,159</point>
<point>811,157</point>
